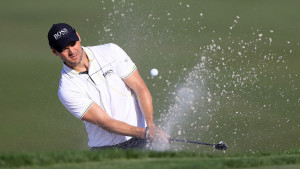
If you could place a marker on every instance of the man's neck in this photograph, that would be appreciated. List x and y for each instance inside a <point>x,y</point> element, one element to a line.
<point>84,64</point>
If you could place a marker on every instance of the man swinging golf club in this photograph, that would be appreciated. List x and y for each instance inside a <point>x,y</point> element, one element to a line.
<point>102,86</point>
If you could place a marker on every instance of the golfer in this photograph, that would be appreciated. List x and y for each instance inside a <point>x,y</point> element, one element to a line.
<point>102,86</point>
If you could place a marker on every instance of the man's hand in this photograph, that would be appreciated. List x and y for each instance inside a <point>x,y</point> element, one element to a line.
<point>157,135</point>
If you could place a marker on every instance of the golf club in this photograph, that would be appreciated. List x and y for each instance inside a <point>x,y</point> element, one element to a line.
<point>219,146</point>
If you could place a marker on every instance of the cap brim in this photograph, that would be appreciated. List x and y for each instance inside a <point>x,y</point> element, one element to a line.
<point>64,42</point>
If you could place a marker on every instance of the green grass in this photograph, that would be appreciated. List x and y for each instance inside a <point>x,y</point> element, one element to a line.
<point>146,159</point>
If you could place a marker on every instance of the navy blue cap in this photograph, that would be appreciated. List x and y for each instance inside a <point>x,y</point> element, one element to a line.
<point>60,35</point>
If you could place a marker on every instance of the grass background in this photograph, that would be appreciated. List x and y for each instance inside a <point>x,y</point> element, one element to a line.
<point>149,159</point>
<point>261,114</point>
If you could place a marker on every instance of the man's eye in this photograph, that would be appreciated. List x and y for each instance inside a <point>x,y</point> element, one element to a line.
<point>72,43</point>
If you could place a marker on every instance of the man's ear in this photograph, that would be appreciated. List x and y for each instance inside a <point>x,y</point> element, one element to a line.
<point>78,36</point>
<point>54,51</point>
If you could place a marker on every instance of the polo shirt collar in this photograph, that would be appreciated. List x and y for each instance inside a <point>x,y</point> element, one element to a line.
<point>71,72</point>
<point>89,53</point>
<point>93,64</point>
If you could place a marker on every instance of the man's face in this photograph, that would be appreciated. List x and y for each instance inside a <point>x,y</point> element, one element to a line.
<point>71,54</point>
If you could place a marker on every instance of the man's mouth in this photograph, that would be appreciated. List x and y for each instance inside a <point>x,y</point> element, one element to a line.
<point>74,56</point>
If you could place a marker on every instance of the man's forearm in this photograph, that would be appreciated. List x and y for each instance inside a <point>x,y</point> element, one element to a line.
<point>145,103</point>
<point>121,128</point>
<point>97,116</point>
<point>137,84</point>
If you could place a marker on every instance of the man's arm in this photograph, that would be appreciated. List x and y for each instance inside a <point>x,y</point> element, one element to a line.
<point>137,84</point>
<point>96,115</point>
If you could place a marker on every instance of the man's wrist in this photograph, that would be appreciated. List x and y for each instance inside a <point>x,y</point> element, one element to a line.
<point>146,133</point>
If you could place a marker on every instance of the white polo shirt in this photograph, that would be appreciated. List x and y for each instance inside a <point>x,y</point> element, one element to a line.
<point>103,85</point>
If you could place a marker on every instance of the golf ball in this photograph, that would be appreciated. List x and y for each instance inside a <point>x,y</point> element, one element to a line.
<point>154,72</point>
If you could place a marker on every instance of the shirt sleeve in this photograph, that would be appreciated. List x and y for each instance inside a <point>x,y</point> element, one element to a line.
<point>75,102</point>
<point>124,66</point>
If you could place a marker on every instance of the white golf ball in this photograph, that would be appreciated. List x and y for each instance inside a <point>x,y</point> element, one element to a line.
<point>154,72</point>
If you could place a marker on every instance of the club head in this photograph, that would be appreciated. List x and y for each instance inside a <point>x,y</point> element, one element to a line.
<point>221,146</point>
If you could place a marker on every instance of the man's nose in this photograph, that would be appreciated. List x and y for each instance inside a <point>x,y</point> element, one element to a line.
<point>71,51</point>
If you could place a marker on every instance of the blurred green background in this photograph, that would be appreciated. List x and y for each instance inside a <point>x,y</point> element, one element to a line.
<point>228,70</point>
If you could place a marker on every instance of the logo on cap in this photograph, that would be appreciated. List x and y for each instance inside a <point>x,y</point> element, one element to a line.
<point>60,33</point>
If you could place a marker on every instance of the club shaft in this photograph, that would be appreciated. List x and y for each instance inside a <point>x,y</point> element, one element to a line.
<point>193,142</point>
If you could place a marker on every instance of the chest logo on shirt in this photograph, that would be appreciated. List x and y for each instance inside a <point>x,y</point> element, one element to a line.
<point>108,72</point>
